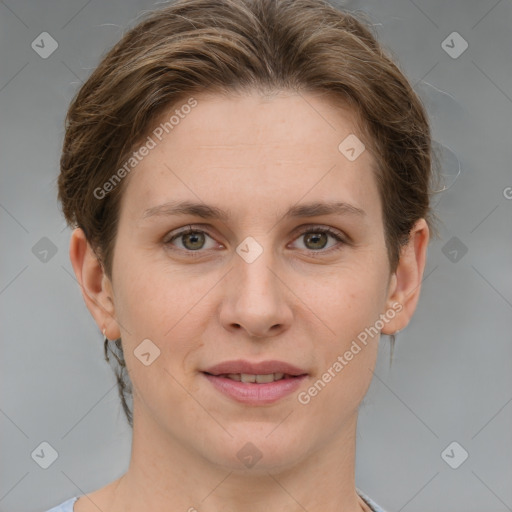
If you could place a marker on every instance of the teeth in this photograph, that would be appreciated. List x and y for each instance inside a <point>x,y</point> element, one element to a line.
<point>260,379</point>
<point>263,379</point>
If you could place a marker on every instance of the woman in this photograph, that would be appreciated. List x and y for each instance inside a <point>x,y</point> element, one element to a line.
<point>249,186</point>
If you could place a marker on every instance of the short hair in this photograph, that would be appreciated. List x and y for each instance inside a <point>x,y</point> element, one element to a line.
<point>235,46</point>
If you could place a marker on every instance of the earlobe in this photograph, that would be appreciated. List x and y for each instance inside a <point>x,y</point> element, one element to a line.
<point>405,284</point>
<point>95,285</point>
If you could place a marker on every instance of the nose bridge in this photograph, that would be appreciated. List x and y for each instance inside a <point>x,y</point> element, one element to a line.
<point>255,272</point>
<point>256,298</point>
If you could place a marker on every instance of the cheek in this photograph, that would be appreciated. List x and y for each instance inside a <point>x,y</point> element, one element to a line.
<point>347,299</point>
<point>150,298</point>
<point>346,359</point>
<point>140,306</point>
<point>169,308</point>
<point>350,307</point>
<point>339,390</point>
<point>151,309</point>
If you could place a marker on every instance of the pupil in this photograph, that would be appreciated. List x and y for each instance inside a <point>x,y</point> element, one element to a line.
<point>194,237</point>
<point>316,236</point>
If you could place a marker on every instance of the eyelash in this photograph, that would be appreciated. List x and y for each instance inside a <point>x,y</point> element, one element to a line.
<point>310,229</point>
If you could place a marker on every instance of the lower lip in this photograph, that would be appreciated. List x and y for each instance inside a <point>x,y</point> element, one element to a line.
<point>255,394</point>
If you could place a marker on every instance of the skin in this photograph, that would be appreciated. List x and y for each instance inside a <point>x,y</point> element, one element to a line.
<point>298,302</point>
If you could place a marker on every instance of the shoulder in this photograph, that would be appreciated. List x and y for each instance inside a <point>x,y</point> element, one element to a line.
<point>370,502</point>
<point>66,506</point>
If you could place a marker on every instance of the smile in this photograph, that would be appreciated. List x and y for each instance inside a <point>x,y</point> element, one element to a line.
<point>255,389</point>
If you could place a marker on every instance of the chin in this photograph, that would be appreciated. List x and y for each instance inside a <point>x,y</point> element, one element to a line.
<point>258,448</point>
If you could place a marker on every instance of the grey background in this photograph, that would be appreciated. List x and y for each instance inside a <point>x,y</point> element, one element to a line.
<point>451,378</point>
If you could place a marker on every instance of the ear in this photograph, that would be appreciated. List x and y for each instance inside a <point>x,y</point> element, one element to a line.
<point>405,284</point>
<point>95,285</point>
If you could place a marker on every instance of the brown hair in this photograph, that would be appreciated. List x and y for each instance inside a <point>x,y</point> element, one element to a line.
<point>228,46</point>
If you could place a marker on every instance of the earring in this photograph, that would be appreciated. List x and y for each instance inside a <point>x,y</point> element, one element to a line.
<point>105,346</point>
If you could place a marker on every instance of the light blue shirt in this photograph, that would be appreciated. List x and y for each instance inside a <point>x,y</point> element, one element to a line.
<point>67,506</point>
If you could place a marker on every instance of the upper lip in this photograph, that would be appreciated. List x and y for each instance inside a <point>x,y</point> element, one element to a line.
<point>260,368</point>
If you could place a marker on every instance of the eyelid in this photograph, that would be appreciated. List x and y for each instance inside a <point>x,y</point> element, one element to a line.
<point>186,229</point>
<point>306,228</point>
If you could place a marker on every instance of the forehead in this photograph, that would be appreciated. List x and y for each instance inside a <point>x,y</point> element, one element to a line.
<point>252,147</point>
<point>246,122</point>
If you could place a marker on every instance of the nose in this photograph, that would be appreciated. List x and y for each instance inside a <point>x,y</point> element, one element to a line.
<point>256,298</point>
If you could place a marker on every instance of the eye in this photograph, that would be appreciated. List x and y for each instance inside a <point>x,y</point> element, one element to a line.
<point>191,239</point>
<point>316,239</point>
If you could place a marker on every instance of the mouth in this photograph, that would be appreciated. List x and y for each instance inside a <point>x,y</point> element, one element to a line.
<point>249,378</point>
<point>255,383</point>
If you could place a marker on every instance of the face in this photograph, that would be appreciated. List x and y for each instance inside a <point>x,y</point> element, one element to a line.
<point>271,280</point>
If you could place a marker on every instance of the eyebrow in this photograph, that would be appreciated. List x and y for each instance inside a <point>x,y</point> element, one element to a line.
<point>212,212</point>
